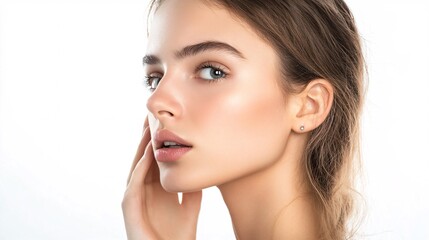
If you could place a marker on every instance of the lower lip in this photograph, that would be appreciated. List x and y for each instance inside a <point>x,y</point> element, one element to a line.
<point>170,154</point>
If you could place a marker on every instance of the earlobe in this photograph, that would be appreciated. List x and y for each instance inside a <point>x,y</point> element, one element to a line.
<point>315,103</point>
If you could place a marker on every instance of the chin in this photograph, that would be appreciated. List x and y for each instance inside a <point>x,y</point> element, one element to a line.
<point>175,187</point>
<point>170,186</point>
<point>181,183</point>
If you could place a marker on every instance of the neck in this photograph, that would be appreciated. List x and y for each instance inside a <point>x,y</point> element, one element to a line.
<point>260,204</point>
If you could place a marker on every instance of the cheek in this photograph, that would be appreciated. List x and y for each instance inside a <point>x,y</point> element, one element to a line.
<point>250,122</point>
<point>240,131</point>
<point>251,106</point>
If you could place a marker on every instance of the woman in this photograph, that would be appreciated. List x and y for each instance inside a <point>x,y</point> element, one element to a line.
<point>259,98</point>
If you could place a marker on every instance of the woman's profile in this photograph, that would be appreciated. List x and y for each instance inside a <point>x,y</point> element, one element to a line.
<point>260,98</point>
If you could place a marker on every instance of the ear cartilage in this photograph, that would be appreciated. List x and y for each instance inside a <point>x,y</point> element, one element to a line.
<point>302,128</point>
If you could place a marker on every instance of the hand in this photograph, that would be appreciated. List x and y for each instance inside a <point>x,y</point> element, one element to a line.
<point>149,211</point>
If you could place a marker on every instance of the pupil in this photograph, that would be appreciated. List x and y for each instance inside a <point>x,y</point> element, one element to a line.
<point>216,73</point>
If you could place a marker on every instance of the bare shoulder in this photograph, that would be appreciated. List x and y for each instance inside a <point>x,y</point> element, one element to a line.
<point>299,220</point>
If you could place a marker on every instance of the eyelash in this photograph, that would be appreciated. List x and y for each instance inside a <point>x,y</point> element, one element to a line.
<point>148,80</point>
<point>215,67</point>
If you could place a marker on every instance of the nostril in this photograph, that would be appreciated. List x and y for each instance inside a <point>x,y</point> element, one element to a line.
<point>165,113</point>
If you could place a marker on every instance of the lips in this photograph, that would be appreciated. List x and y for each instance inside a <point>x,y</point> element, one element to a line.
<point>169,147</point>
<point>165,139</point>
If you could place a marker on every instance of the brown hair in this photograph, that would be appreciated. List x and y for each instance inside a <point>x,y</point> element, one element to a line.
<point>317,39</point>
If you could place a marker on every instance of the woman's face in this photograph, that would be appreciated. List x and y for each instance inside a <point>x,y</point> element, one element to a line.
<point>218,91</point>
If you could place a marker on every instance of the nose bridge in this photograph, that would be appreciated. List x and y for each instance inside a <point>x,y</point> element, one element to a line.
<point>165,100</point>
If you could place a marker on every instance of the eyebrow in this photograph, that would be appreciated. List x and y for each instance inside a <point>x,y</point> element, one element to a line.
<point>196,49</point>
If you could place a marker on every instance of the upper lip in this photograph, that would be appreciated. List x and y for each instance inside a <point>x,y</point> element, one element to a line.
<point>164,135</point>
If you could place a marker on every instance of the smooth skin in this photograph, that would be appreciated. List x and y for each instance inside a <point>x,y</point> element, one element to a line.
<point>244,130</point>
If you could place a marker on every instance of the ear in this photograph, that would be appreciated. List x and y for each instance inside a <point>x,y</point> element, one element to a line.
<point>314,104</point>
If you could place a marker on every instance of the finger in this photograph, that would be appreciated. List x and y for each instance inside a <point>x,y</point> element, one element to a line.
<point>142,167</point>
<point>146,123</point>
<point>140,151</point>
<point>152,175</point>
<point>133,202</point>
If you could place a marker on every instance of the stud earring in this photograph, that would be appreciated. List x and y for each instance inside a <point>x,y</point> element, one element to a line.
<point>302,128</point>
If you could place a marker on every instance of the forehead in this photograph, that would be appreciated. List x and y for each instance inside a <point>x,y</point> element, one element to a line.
<point>177,23</point>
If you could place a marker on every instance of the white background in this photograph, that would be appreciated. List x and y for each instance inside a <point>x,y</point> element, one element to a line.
<point>72,106</point>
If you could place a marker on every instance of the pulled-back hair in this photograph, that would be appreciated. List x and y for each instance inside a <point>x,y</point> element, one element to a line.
<point>317,39</point>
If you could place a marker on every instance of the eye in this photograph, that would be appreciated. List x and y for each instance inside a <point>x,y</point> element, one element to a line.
<point>209,72</point>
<point>152,82</point>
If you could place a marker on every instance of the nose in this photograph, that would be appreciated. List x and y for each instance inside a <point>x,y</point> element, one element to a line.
<point>164,103</point>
